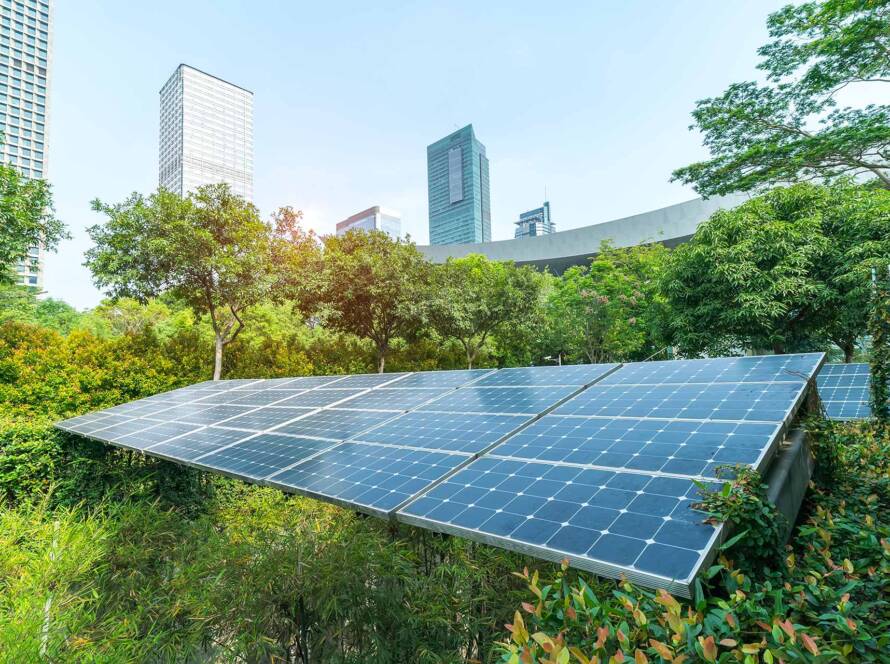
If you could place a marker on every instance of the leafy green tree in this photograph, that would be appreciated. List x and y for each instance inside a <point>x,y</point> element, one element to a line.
<point>788,270</point>
<point>792,128</point>
<point>211,249</point>
<point>474,298</point>
<point>26,219</point>
<point>609,310</point>
<point>369,285</point>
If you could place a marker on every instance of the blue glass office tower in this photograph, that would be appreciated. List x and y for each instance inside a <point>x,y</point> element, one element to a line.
<point>460,203</point>
<point>535,222</point>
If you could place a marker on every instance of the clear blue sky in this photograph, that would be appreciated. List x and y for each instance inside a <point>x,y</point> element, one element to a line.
<point>590,99</point>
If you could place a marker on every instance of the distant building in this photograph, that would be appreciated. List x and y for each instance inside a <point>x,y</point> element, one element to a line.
<point>373,219</point>
<point>26,32</point>
<point>206,133</point>
<point>459,198</point>
<point>535,222</point>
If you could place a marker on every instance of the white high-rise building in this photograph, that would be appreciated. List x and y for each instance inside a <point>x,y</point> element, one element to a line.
<point>25,64</point>
<point>206,133</point>
<point>373,219</point>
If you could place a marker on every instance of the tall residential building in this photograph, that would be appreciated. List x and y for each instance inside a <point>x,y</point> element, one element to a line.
<point>25,64</point>
<point>457,178</point>
<point>535,222</point>
<point>373,219</point>
<point>206,133</point>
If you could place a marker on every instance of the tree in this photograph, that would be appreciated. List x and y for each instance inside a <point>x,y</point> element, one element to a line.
<point>792,128</point>
<point>609,310</point>
<point>26,220</point>
<point>369,285</point>
<point>211,249</point>
<point>787,271</point>
<point>474,298</point>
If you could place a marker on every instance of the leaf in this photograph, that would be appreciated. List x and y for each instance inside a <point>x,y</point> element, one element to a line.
<point>640,657</point>
<point>709,648</point>
<point>809,643</point>
<point>733,540</point>
<point>662,649</point>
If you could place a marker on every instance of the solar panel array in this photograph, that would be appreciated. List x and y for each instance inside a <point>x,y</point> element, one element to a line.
<point>844,391</point>
<point>596,463</point>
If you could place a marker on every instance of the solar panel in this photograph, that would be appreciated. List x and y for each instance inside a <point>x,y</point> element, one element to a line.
<point>448,432</point>
<point>693,448</point>
<point>610,523</point>
<point>499,400</point>
<point>596,463</point>
<point>372,478</point>
<point>334,424</point>
<point>394,399</point>
<point>748,369</point>
<point>845,391</point>
<point>575,374</point>
<point>261,456</point>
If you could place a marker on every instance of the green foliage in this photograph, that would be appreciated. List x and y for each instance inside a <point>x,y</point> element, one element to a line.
<point>792,128</point>
<point>611,309</point>
<point>371,286</point>
<point>786,271</point>
<point>826,603</point>
<point>26,219</point>
<point>473,299</point>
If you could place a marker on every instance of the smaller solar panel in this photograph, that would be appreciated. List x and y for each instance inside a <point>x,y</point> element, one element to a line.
<point>499,400</point>
<point>763,368</point>
<point>334,424</point>
<point>569,375</point>
<point>441,378</point>
<point>373,478</point>
<point>194,444</point>
<point>766,402</point>
<point>319,397</point>
<point>394,399</point>
<point>262,455</point>
<point>450,432</point>
<point>845,391</point>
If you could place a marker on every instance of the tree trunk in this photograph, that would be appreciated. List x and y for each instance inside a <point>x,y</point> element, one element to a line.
<point>849,349</point>
<point>381,361</point>
<point>217,358</point>
<point>778,349</point>
<point>470,358</point>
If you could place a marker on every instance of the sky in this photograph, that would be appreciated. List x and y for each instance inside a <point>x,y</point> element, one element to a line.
<point>591,100</point>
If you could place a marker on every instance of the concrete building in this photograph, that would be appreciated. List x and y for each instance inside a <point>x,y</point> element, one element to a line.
<point>373,219</point>
<point>459,198</point>
<point>206,133</point>
<point>535,222</point>
<point>671,226</point>
<point>26,28</point>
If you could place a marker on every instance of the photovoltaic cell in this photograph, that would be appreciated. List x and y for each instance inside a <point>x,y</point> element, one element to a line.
<point>450,432</point>
<point>334,424</point>
<point>665,446</point>
<point>499,400</point>
<point>263,398</point>
<point>394,399</point>
<point>197,443</point>
<point>768,402</point>
<point>372,478</point>
<point>212,415</point>
<point>569,375</point>
<point>441,378</point>
<point>606,522</point>
<point>157,433</point>
<point>319,397</point>
<point>265,418</point>
<point>263,455</point>
<point>764,368</point>
<point>369,380</point>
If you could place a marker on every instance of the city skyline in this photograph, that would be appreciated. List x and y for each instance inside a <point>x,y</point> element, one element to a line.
<point>375,218</point>
<point>341,122</point>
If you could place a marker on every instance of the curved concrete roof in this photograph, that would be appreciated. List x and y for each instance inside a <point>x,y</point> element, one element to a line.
<point>669,225</point>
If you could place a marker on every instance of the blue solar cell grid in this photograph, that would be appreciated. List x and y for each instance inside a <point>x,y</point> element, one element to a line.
<point>450,432</point>
<point>373,478</point>
<point>635,523</point>
<point>767,402</point>
<point>499,400</point>
<point>664,446</point>
<point>394,398</point>
<point>569,375</point>
<point>845,391</point>
<point>194,444</point>
<point>765,368</point>
<point>261,456</point>
<point>334,424</point>
<point>441,378</point>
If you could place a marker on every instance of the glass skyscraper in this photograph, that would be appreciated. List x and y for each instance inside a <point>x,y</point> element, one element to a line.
<point>373,219</point>
<point>459,198</point>
<point>206,133</point>
<point>535,222</point>
<point>25,63</point>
